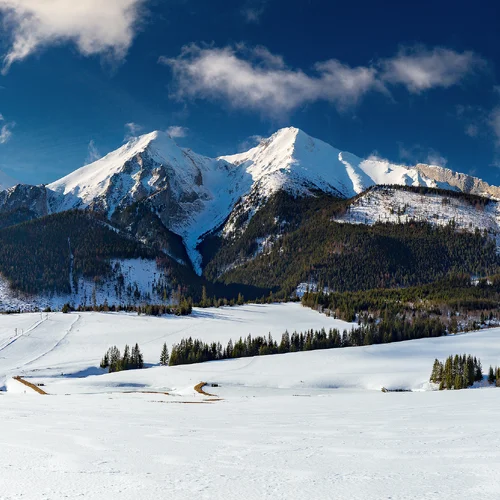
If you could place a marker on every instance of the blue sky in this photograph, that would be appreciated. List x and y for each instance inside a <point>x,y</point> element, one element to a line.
<point>416,82</point>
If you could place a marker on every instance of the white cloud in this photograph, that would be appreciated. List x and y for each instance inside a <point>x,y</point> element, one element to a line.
<point>5,130</point>
<point>93,153</point>
<point>418,154</point>
<point>435,158</point>
<point>176,131</point>
<point>5,133</point>
<point>253,10</point>
<point>257,79</point>
<point>250,142</point>
<point>104,27</point>
<point>420,69</point>
<point>132,130</point>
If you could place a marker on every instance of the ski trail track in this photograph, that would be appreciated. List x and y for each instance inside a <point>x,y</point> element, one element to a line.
<point>59,342</point>
<point>13,339</point>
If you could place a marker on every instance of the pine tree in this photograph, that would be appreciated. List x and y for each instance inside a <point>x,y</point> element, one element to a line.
<point>204,299</point>
<point>478,370</point>
<point>437,372</point>
<point>114,359</point>
<point>126,361</point>
<point>105,361</point>
<point>491,376</point>
<point>164,358</point>
<point>137,360</point>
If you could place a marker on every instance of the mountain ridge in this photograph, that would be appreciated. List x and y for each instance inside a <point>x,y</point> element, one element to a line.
<point>194,195</point>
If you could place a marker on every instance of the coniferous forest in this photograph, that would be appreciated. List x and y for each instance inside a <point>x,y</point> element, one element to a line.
<point>189,351</point>
<point>308,246</point>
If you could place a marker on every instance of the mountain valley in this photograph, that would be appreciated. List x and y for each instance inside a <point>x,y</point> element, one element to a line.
<point>293,209</point>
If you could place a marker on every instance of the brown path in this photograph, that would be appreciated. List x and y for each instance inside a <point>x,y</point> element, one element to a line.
<point>199,389</point>
<point>31,386</point>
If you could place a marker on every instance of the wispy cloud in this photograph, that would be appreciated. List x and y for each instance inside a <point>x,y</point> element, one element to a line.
<point>418,154</point>
<point>105,27</point>
<point>420,69</point>
<point>5,130</point>
<point>472,130</point>
<point>177,131</point>
<point>250,142</point>
<point>132,130</point>
<point>93,153</point>
<point>254,78</point>
<point>253,10</point>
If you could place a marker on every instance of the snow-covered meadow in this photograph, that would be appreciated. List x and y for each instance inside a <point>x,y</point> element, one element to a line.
<point>300,425</point>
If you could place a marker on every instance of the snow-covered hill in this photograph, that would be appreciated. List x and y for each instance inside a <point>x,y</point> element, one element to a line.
<point>303,425</point>
<point>390,204</point>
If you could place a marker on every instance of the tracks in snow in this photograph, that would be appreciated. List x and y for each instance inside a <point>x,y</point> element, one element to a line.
<point>53,348</point>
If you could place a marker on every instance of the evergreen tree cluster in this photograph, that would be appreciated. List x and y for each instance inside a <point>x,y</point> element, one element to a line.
<point>457,372</point>
<point>184,308</point>
<point>132,359</point>
<point>189,351</point>
<point>453,294</point>
<point>494,376</point>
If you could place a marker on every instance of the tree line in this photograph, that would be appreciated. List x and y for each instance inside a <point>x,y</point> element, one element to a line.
<point>449,296</point>
<point>189,351</point>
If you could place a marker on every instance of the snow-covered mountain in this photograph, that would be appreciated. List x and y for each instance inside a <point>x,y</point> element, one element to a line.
<point>293,161</point>
<point>393,205</point>
<point>193,195</point>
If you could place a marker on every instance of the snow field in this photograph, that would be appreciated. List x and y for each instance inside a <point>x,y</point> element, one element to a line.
<point>279,431</point>
<point>337,445</point>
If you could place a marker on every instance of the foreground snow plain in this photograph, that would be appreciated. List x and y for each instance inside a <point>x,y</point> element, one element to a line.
<point>304,425</point>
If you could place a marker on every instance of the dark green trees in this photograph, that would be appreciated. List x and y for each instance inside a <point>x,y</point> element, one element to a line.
<point>131,359</point>
<point>457,372</point>
<point>164,357</point>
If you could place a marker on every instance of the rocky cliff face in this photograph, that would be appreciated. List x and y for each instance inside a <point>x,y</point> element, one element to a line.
<point>462,182</point>
<point>23,197</point>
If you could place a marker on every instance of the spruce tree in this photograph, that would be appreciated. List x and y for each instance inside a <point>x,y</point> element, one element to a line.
<point>164,358</point>
<point>137,360</point>
<point>126,358</point>
<point>491,376</point>
<point>105,361</point>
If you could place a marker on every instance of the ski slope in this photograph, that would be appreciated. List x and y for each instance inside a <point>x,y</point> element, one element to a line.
<point>302,425</point>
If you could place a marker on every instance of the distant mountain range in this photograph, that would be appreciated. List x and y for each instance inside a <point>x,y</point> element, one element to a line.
<point>194,209</point>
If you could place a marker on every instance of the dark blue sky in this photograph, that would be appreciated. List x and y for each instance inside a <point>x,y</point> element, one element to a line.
<point>413,81</point>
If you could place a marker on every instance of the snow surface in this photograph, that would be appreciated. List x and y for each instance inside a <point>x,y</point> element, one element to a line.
<point>398,206</point>
<point>296,162</point>
<point>280,431</point>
